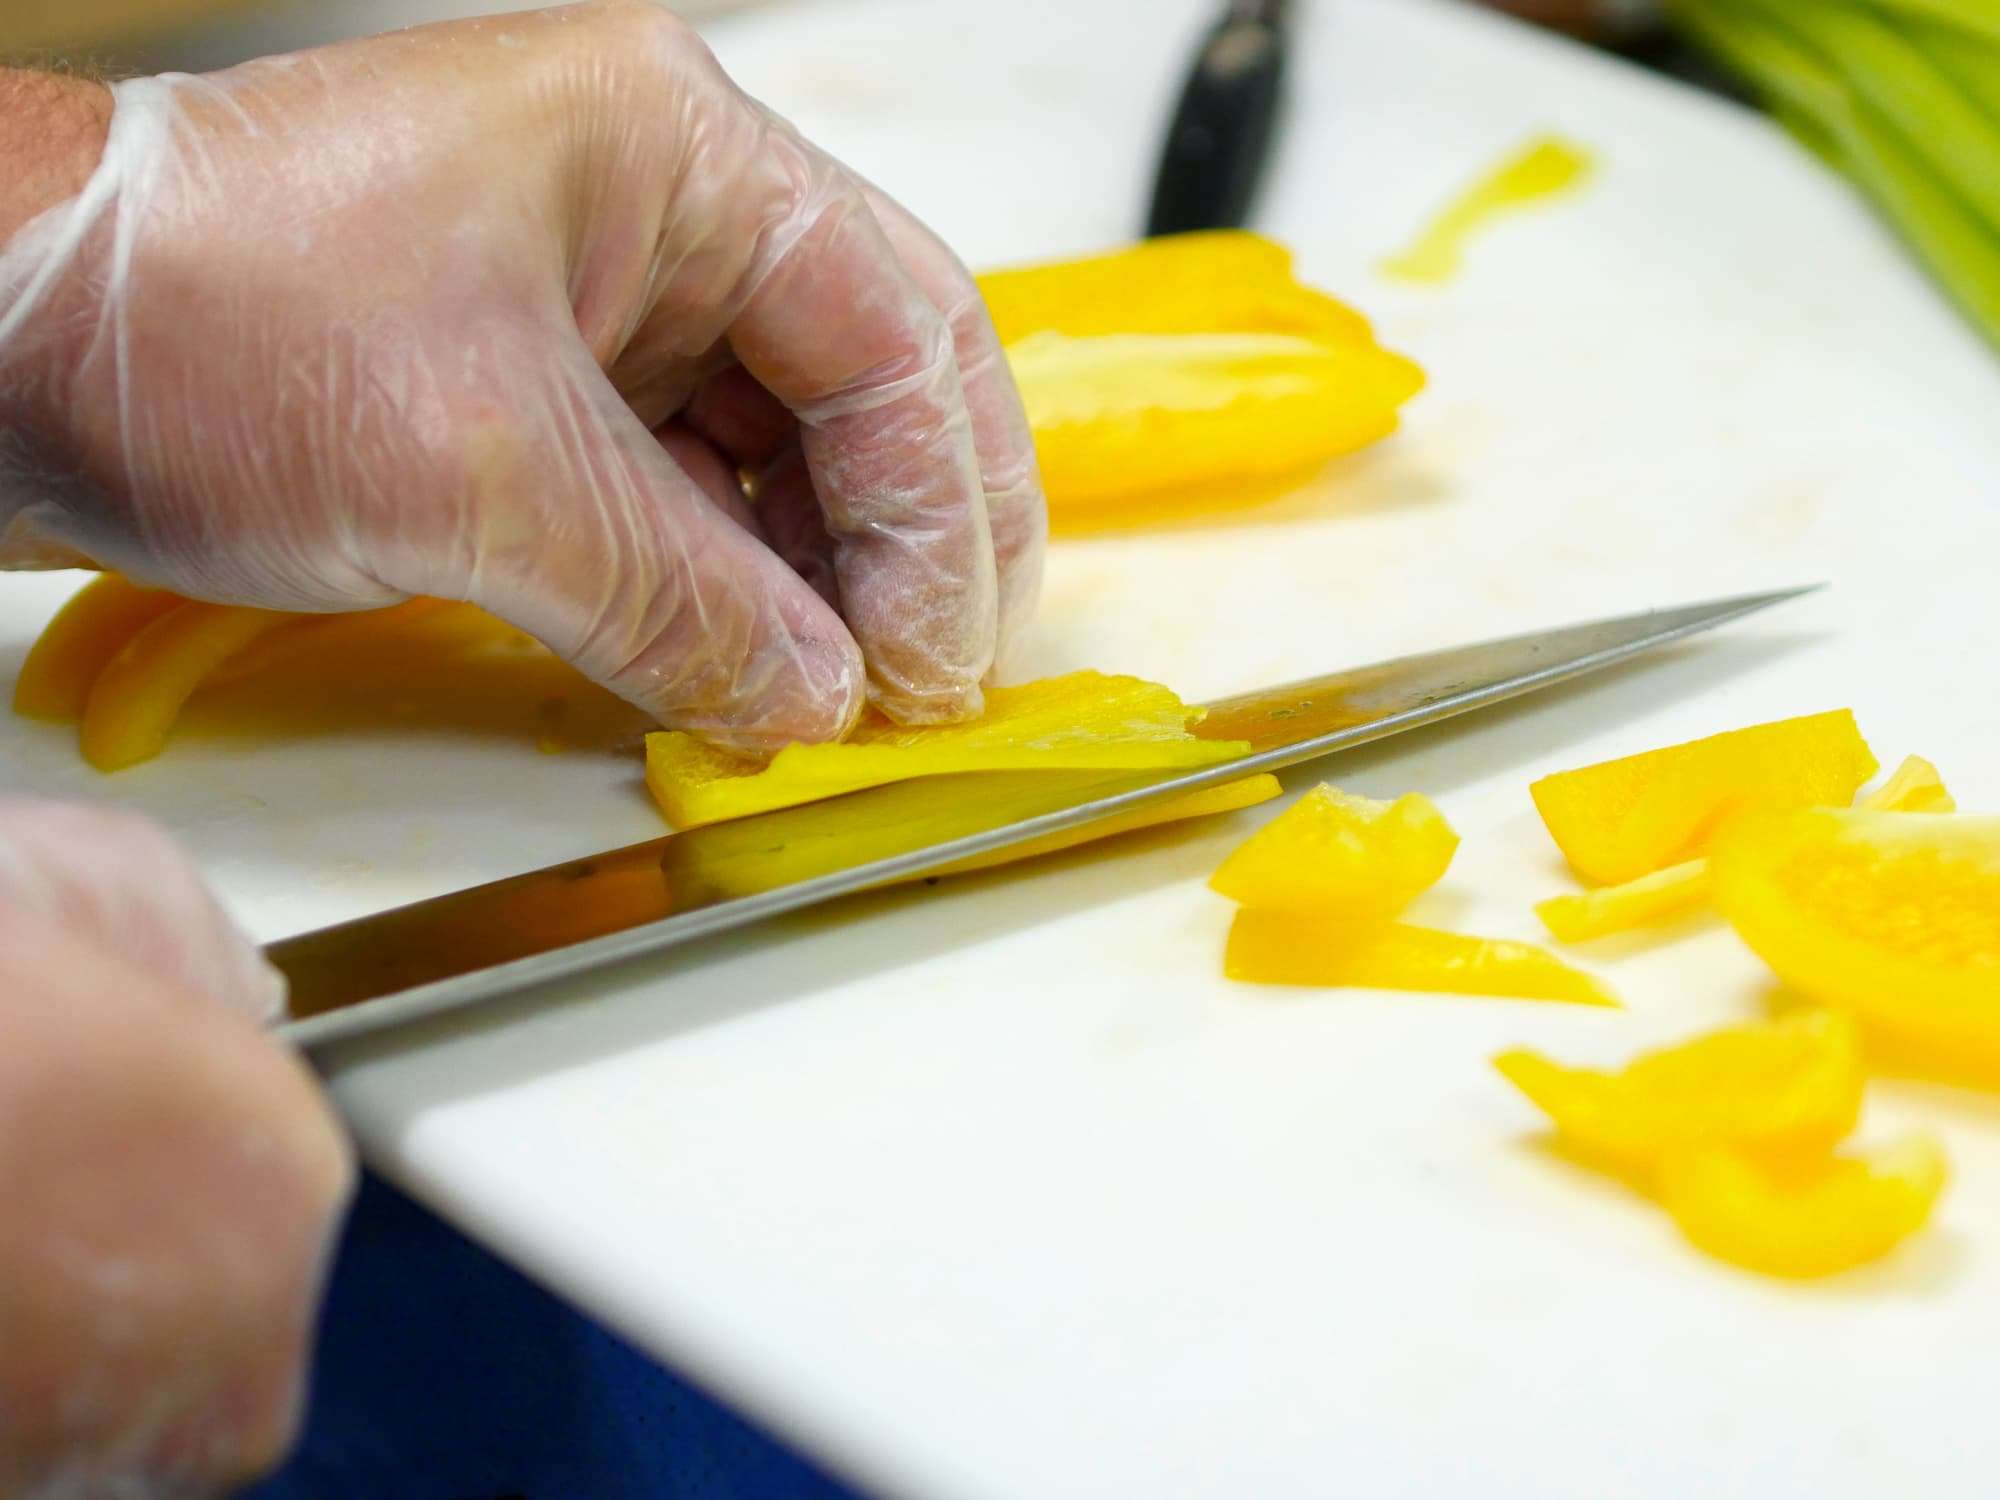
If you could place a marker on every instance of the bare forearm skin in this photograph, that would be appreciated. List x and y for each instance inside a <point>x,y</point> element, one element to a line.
<point>52,132</point>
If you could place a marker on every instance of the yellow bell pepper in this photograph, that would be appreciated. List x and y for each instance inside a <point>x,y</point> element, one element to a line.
<point>1213,281</point>
<point>1083,721</point>
<point>1188,373</point>
<point>1624,818</point>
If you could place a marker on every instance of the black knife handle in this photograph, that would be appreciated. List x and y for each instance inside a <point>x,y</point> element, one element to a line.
<point>1222,129</point>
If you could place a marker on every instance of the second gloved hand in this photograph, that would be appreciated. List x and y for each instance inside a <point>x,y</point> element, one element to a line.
<point>498,311</point>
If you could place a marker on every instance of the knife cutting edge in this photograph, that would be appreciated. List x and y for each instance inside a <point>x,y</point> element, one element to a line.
<point>583,914</point>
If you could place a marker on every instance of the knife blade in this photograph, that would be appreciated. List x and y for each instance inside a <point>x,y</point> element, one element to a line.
<point>509,935</point>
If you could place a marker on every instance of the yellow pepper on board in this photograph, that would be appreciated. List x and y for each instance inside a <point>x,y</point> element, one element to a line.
<point>1320,885</point>
<point>1082,721</point>
<point>1188,372</point>
<point>1681,888</point>
<point>1337,852</point>
<point>1131,414</point>
<point>1827,1216</point>
<point>1787,1088</point>
<point>1213,281</point>
<point>1734,1134</point>
<point>1891,917</point>
<point>1624,818</point>
<point>79,643</point>
<point>1306,948</point>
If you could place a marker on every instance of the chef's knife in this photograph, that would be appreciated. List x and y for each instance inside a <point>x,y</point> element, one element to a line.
<point>1224,122</point>
<point>510,934</point>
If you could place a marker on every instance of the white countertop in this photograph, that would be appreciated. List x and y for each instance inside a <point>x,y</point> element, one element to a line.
<point>999,1190</point>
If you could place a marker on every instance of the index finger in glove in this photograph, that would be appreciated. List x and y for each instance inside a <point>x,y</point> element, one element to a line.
<point>118,881</point>
<point>1016,510</point>
<point>836,329</point>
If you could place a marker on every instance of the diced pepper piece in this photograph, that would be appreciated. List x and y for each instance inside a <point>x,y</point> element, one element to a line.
<point>1215,281</point>
<point>1353,858</point>
<point>1122,414</point>
<point>1614,908</point>
<point>1283,947</point>
<point>1083,721</point>
<point>79,643</point>
<point>1805,1220</point>
<point>1668,893</point>
<point>140,692</point>
<point>1228,797</point>
<point>1624,818</point>
<point>1787,1088</point>
<point>1916,787</point>
<point>1892,917</point>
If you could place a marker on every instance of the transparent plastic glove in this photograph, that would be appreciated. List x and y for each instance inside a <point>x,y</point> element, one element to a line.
<point>116,881</point>
<point>498,310</point>
<point>171,1176</point>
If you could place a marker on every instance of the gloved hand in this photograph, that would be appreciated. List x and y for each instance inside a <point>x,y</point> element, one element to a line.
<point>498,311</point>
<point>170,1176</point>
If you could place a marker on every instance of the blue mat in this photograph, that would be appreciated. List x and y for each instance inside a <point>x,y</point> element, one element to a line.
<point>443,1374</point>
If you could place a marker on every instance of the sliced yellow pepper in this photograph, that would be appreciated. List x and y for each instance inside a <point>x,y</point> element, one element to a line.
<point>79,643</point>
<point>1084,721</point>
<point>1678,889</point>
<point>1344,855</point>
<point>1891,917</point>
<point>1624,818</point>
<point>1288,947</point>
<point>139,694</point>
<point>1805,1221</point>
<point>1121,415</point>
<point>1214,281</point>
<point>1787,1088</point>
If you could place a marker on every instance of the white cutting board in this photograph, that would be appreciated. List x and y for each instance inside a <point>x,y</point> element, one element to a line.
<point>998,1190</point>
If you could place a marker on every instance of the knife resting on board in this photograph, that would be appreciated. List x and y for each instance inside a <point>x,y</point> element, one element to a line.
<point>583,914</point>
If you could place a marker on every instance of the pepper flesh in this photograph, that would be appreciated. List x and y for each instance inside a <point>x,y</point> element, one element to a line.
<point>1286,947</point>
<point>1341,854</point>
<point>1789,1088</point>
<point>1620,819</point>
<point>75,646</point>
<point>1082,721</point>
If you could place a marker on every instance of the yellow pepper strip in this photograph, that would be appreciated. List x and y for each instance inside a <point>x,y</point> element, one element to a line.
<point>1789,1088</point>
<point>1117,415</point>
<point>1084,721</point>
<point>1664,894</point>
<point>138,695</point>
<point>80,641</point>
<point>310,633</point>
<point>1545,168</point>
<point>1614,908</point>
<point>1829,1216</point>
<point>1281,947</point>
<point>1216,281</point>
<point>1229,797</point>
